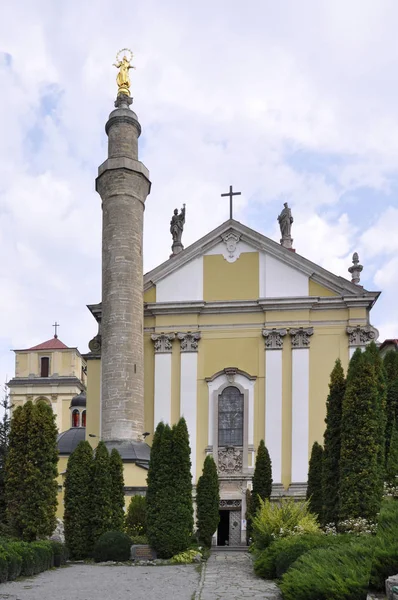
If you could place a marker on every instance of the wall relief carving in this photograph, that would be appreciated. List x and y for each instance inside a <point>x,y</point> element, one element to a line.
<point>230,461</point>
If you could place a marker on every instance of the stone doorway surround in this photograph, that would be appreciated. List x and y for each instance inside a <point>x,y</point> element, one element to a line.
<point>237,533</point>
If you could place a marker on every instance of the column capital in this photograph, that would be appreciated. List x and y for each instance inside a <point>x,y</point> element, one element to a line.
<point>361,335</point>
<point>301,337</point>
<point>163,342</point>
<point>189,341</point>
<point>274,338</point>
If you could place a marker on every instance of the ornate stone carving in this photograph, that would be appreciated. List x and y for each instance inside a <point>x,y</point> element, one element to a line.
<point>356,269</point>
<point>189,341</point>
<point>361,335</point>
<point>274,338</point>
<point>285,223</point>
<point>301,337</point>
<point>54,397</point>
<point>232,251</point>
<point>230,461</point>
<point>230,503</point>
<point>176,228</point>
<point>95,344</point>
<point>163,342</point>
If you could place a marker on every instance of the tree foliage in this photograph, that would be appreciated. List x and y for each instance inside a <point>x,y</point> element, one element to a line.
<point>117,491</point>
<point>360,486</point>
<point>373,355</point>
<point>101,492</point>
<point>391,369</point>
<point>332,444</point>
<point>31,471</point>
<point>78,502</point>
<point>392,461</point>
<point>169,494</point>
<point>314,487</point>
<point>5,427</point>
<point>262,484</point>
<point>207,502</point>
<point>135,523</point>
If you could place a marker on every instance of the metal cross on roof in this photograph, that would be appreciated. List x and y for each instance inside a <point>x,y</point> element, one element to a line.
<point>231,194</point>
<point>56,325</point>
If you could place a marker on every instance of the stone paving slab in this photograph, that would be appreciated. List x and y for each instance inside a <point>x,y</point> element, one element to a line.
<point>106,582</point>
<point>230,576</point>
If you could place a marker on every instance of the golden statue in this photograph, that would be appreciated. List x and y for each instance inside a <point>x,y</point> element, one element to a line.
<point>123,77</point>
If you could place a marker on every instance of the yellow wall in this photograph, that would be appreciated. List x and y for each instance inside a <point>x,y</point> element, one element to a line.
<point>316,289</point>
<point>150,295</point>
<point>223,280</point>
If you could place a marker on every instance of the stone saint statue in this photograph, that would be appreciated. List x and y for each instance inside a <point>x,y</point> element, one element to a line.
<point>123,77</point>
<point>176,229</point>
<point>285,223</point>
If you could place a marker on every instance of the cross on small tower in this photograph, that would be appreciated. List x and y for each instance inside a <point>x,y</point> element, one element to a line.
<point>56,325</point>
<point>230,194</point>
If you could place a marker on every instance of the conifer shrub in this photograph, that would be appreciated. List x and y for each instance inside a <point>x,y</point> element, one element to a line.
<point>385,553</point>
<point>117,491</point>
<point>332,445</point>
<point>154,489</point>
<point>280,519</point>
<point>14,561</point>
<point>360,491</point>
<point>314,487</point>
<point>261,485</point>
<point>182,483</point>
<point>101,482</point>
<point>135,522</point>
<point>275,560</point>
<point>112,546</point>
<point>3,566</point>
<point>340,572</point>
<point>31,471</point>
<point>392,460</point>
<point>391,368</point>
<point>78,502</point>
<point>207,502</point>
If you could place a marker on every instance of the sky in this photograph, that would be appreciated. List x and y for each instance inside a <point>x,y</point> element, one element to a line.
<point>287,101</point>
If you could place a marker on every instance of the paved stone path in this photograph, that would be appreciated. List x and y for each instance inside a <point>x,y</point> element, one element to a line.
<point>230,576</point>
<point>97,582</point>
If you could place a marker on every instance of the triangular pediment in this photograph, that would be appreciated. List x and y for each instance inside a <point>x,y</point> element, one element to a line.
<point>290,264</point>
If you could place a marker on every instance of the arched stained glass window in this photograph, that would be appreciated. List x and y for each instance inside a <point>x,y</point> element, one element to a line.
<point>75,418</point>
<point>230,417</point>
<point>84,418</point>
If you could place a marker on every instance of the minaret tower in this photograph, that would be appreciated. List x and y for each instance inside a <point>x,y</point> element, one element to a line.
<point>123,184</point>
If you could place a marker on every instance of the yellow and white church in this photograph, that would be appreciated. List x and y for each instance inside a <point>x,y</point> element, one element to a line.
<point>239,336</point>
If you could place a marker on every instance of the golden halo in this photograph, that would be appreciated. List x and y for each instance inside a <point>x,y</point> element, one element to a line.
<point>124,50</point>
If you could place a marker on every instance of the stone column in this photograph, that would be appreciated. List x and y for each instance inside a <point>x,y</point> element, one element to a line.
<point>123,184</point>
<point>273,398</point>
<point>188,388</point>
<point>162,401</point>
<point>359,336</point>
<point>300,401</point>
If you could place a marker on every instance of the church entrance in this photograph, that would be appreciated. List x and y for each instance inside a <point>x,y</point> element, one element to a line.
<point>223,528</point>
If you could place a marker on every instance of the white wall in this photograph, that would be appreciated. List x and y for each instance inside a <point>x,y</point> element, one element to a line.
<point>162,404</point>
<point>278,280</point>
<point>273,410</point>
<point>188,400</point>
<point>300,413</point>
<point>184,284</point>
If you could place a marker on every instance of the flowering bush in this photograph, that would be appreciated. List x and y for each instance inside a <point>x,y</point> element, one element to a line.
<point>358,526</point>
<point>391,490</point>
<point>285,518</point>
<point>187,557</point>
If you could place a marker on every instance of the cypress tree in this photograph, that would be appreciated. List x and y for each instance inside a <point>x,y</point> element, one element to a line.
<point>117,491</point>
<point>359,489</point>
<point>314,487</point>
<point>207,502</point>
<point>162,533</point>
<point>153,494</point>
<point>373,354</point>
<point>262,484</point>
<point>78,502</point>
<point>391,369</point>
<point>101,492</point>
<point>5,427</point>
<point>182,484</point>
<point>332,445</point>
<point>31,469</point>
<point>392,462</point>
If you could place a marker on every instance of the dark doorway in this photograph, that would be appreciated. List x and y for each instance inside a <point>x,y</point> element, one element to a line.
<point>223,528</point>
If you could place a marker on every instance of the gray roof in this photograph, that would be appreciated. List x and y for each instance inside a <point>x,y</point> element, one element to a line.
<point>68,440</point>
<point>79,400</point>
<point>137,452</point>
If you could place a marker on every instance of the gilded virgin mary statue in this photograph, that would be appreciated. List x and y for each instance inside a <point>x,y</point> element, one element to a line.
<point>123,77</point>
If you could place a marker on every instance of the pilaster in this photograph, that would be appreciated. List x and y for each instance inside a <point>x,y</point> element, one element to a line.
<point>162,394</point>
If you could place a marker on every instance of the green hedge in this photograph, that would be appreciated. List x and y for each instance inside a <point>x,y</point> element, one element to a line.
<point>275,560</point>
<point>24,558</point>
<point>340,572</point>
<point>385,553</point>
<point>112,545</point>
